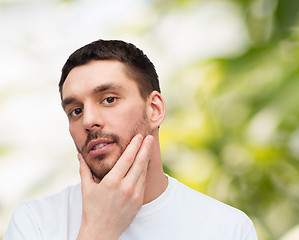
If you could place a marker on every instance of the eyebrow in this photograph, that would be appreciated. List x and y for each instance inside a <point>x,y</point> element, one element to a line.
<point>106,86</point>
<point>67,101</point>
<point>99,89</point>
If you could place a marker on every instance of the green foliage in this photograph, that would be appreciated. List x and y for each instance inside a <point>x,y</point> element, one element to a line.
<point>237,120</point>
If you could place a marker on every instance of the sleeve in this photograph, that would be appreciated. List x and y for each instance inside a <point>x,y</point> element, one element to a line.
<point>251,234</point>
<point>23,225</point>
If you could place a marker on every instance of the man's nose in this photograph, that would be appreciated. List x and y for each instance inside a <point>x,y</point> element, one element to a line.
<point>92,118</point>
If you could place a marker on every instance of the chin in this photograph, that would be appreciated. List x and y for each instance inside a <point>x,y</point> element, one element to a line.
<point>102,167</point>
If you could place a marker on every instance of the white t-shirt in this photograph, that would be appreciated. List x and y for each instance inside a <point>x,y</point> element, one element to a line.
<point>179,213</point>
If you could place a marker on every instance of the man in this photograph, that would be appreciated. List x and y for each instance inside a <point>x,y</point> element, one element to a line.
<point>111,95</point>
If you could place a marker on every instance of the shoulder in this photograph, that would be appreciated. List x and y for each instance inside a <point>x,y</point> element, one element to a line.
<point>55,204</point>
<point>72,192</point>
<point>57,199</point>
<point>32,217</point>
<point>193,197</point>
<point>209,209</point>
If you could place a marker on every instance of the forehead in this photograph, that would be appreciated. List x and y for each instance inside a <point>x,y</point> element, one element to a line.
<point>82,80</point>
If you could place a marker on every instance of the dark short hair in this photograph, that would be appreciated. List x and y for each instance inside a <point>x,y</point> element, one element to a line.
<point>138,66</point>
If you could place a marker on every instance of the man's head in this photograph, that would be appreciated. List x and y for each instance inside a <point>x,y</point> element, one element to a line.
<point>109,95</point>
<point>138,66</point>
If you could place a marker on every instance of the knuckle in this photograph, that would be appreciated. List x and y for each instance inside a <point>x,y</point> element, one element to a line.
<point>137,199</point>
<point>141,162</point>
<point>143,174</point>
<point>128,190</point>
<point>128,160</point>
<point>111,183</point>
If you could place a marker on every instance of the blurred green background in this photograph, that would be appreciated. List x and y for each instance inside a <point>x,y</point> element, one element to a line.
<point>231,129</point>
<point>234,132</point>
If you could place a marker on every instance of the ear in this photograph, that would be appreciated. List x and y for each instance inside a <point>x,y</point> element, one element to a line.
<point>156,109</point>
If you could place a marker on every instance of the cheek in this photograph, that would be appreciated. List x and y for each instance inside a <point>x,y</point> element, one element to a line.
<point>128,118</point>
<point>76,135</point>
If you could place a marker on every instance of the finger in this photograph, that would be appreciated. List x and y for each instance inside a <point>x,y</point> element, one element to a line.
<point>140,184</point>
<point>141,160</point>
<point>125,161</point>
<point>85,173</point>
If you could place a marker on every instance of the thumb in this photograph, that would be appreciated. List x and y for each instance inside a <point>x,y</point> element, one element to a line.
<point>85,173</point>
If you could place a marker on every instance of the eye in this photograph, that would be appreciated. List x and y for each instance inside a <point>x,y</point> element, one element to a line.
<point>109,100</point>
<point>76,112</point>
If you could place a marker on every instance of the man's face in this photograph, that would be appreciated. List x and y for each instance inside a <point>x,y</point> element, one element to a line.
<point>105,111</point>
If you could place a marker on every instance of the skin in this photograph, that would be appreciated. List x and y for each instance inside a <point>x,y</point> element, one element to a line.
<point>104,105</point>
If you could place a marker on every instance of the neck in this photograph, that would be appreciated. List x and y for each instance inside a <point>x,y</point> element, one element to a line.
<point>156,181</point>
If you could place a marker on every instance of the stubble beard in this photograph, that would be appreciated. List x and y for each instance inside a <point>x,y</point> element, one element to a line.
<point>100,170</point>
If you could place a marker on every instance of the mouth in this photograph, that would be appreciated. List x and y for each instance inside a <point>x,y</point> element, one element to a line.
<point>98,147</point>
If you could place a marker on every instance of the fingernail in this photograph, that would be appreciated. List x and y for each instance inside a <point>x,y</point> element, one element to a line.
<point>139,137</point>
<point>150,139</point>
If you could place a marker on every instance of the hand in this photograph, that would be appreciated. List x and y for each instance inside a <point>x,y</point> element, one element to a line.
<point>110,206</point>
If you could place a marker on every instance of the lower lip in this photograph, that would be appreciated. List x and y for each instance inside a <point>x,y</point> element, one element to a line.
<point>100,151</point>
